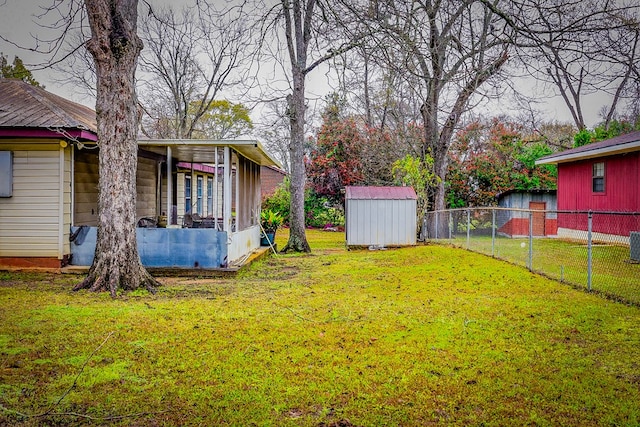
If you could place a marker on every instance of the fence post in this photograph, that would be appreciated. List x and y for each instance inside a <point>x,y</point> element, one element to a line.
<point>493,232</point>
<point>450,223</point>
<point>589,248</point>
<point>530,262</point>
<point>468,227</point>
<point>436,233</point>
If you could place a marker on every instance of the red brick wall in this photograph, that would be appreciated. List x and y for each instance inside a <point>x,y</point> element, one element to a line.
<point>270,179</point>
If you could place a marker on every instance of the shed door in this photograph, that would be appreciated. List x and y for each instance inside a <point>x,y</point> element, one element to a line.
<point>538,217</point>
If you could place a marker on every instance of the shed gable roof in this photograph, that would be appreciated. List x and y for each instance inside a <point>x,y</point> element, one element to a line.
<point>620,144</point>
<point>25,106</point>
<point>380,193</point>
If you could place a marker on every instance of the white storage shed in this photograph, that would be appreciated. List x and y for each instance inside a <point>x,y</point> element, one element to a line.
<point>380,216</point>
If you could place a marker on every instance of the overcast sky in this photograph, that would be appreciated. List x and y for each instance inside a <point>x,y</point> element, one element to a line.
<point>18,23</point>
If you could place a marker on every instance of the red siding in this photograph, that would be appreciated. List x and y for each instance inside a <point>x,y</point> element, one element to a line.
<point>516,227</point>
<point>520,227</point>
<point>622,193</point>
<point>622,185</point>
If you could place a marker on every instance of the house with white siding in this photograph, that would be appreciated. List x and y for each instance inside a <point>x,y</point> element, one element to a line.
<point>48,189</point>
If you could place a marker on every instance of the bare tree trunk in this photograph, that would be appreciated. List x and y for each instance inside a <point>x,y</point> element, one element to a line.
<point>115,47</point>
<point>297,236</point>
<point>298,16</point>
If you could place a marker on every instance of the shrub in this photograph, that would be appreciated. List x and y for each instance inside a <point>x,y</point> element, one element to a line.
<point>319,212</point>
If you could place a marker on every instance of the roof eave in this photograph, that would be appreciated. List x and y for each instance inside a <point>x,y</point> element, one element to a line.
<point>251,149</point>
<point>590,154</point>
<point>59,133</point>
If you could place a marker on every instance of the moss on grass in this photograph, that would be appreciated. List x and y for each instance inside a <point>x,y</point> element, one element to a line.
<point>399,337</point>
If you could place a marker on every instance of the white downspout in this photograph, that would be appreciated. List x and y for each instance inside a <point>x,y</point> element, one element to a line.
<point>169,189</point>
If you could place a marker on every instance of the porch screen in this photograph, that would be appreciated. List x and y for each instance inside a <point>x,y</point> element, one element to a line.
<point>248,203</point>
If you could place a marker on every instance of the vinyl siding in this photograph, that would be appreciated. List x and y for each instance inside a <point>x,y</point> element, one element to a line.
<point>146,183</point>
<point>66,201</point>
<point>86,188</point>
<point>30,220</point>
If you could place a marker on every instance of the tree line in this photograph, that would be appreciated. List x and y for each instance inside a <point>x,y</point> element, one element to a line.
<point>412,87</point>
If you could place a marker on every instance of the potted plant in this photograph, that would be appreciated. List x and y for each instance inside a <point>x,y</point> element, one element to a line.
<point>270,221</point>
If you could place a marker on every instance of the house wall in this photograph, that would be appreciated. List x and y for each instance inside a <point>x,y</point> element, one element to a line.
<point>381,222</point>
<point>85,187</point>
<point>146,185</point>
<point>622,194</point>
<point>86,177</point>
<point>270,180</point>
<point>622,184</point>
<point>35,221</point>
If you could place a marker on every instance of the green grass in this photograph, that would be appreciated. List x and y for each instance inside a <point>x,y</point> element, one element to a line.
<point>410,336</point>
<point>612,272</point>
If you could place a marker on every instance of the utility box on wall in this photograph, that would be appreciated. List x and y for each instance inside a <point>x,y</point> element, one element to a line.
<point>6,174</point>
<point>634,245</point>
<point>380,216</point>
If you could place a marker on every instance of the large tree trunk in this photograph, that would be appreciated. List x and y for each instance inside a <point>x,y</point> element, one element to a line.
<point>115,47</point>
<point>298,15</point>
<point>297,235</point>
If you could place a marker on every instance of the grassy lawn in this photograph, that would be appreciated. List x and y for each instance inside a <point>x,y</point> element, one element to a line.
<point>410,337</point>
<point>613,273</point>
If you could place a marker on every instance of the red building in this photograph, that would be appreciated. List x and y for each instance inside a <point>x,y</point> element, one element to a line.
<point>514,222</point>
<point>599,177</point>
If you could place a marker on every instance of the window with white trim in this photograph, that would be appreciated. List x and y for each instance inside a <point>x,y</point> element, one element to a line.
<point>199,189</point>
<point>597,181</point>
<point>187,194</point>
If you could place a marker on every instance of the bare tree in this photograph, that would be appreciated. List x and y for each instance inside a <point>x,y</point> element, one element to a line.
<point>189,60</point>
<point>309,41</point>
<point>115,47</point>
<point>274,129</point>
<point>578,47</point>
<point>446,51</point>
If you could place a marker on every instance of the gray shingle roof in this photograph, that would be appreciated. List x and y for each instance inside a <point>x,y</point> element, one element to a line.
<point>25,106</point>
<point>620,144</point>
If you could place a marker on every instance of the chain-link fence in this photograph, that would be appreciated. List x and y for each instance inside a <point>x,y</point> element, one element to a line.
<point>596,250</point>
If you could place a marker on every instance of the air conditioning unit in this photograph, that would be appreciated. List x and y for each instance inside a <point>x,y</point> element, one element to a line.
<point>634,243</point>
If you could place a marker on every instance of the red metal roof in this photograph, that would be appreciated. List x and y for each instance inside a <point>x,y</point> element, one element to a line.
<point>380,193</point>
<point>25,106</point>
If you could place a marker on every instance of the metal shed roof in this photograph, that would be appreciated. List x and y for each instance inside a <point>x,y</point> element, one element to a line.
<point>380,193</point>
<point>27,106</point>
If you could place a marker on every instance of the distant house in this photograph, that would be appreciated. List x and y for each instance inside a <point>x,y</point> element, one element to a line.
<point>271,178</point>
<point>380,216</point>
<point>599,177</point>
<point>204,194</point>
<point>515,221</point>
